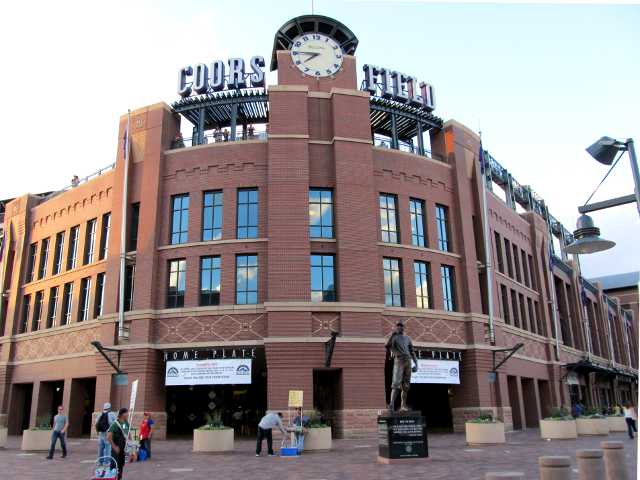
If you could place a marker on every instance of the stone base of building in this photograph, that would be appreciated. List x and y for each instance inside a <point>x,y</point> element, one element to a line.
<point>159,427</point>
<point>463,414</point>
<point>355,423</point>
<point>4,418</point>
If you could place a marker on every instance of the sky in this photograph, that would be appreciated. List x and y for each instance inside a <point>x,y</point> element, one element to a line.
<point>542,82</point>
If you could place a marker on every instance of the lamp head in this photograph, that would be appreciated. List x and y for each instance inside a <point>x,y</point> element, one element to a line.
<point>605,150</point>
<point>587,238</point>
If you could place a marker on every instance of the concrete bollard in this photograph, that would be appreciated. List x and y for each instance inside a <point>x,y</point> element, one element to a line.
<point>615,466</point>
<point>504,476</point>
<point>555,468</point>
<point>590,464</point>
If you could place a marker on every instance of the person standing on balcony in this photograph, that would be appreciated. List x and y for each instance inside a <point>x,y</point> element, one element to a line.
<point>60,426</point>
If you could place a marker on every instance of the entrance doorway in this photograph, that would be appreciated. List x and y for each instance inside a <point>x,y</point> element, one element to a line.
<point>514,401</point>
<point>327,394</point>
<point>83,392</point>
<point>531,416</point>
<point>20,408</point>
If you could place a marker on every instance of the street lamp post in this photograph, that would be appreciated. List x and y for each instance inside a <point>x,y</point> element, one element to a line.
<point>587,234</point>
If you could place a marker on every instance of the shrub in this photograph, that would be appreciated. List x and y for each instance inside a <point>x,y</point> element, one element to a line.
<point>316,421</point>
<point>559,414</point>
<point>592,413</point>
<point>484,418</point>
<point>213,422</point>
<point>42,423</point>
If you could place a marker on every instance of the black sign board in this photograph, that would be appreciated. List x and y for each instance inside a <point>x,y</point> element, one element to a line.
<point>402,436</point>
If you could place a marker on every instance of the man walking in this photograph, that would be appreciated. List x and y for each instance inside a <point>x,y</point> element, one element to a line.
<point>105,420</point>
<point>269,421</point>
<point>60,426</point>
<point>117,437</point>
<point>402,352</point>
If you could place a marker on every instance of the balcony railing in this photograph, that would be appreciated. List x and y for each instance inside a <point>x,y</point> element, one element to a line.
<point>76,182</point>
<point>218,137</point>
<point>385,142</point>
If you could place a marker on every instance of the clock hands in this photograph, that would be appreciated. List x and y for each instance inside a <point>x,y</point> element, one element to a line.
<point>313,55</point>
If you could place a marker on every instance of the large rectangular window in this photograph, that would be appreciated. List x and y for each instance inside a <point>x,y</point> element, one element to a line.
<point>210,281</point>
<point>523,312</point>
<point>129,286</point>
<point>38,307</point>
<point>416,209</point>
<point>31,262</point>
<point>177,283</point>
<point>507,251</point>
<point>52,312</point>
<point>392,282</point>
<point>533,323</point>
<point>504,295</point>
<point>58,253</point>
<point>90,241</point>
<point>246,279</point>
<point>72,253</point>
<point>499,257</point>
<point>134,222</point>
<point>516,263</point>
<point>525,268</point>
<point>98,304</point>
<point>423,284</point>
<point>247,213</point>
<point>67,303</point>
<point>532,272</point>
<point>44,258</point>
<point>388,218</point>
<point>323,285</point>
<point>104,236</point>
<point>179,219</point>
<point>85,294</point>
<point>26,308</point>
<point>514,308</point>
<point>448,288</point>
<point>442,224</point>
<point>212,215</point>
<point>320,213</point>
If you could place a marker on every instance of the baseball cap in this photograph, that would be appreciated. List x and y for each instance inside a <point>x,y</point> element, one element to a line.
<point>106,406</point>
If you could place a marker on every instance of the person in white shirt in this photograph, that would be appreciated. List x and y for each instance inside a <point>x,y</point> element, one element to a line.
<point>630,417</point>
<point>268,422</point>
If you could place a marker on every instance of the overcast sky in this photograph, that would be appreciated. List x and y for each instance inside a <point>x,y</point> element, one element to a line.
<point>542,82</point>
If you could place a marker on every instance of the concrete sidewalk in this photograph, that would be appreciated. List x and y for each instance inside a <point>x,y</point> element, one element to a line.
<point>449,458</point>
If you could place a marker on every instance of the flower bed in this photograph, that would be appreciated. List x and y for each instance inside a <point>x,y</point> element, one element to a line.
<point>318,438</point>
<point>558,428</point>
<point>213,438</point>
<point>616,423</point>
<point>594,424</point>
<point>36,439</point>
<point>484,430</point>
<point>3,437</point>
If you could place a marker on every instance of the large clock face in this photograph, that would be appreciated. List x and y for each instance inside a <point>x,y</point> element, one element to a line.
<point>316,55</point>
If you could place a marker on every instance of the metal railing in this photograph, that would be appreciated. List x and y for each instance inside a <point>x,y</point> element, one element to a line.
<point>218,137</point>
<point>76,182</point>
<point>385,142</point>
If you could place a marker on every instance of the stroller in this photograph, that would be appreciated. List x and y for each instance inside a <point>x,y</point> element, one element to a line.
<point>106,468</point>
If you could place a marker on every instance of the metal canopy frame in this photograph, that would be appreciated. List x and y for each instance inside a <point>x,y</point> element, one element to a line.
<point>313,24</point>
<point>224,109</point>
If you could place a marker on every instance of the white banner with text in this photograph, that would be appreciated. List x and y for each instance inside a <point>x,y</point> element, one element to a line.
<point>437,371</point>
<point>236,371</point>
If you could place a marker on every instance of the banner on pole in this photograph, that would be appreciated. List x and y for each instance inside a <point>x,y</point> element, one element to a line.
<point>134,394</point>
<point>208,372</point>
<point>437,371</point>
<point>295,398</point>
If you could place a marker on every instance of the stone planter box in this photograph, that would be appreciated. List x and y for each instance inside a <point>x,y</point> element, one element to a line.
<point>558,429</point>
<point>617,424</point>
<point>484,433</point>
<point>318,439</point>
<point>36,440</point>
<point>592,426</point>
<point>213,440</point>
<point>3,437</point>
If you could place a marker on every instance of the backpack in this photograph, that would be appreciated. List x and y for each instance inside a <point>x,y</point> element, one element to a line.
<point>102,425</point>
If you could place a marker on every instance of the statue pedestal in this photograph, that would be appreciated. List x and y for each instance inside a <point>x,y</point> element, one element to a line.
<point>402,437</point>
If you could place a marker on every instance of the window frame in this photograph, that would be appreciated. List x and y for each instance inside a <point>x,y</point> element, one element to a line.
<point>388,234</point>
<point>175,299</point>
<point>388,271</point>
<point>418,220</point>
<point>44,258</point>
<point>321,203</point>
<point>247,267</point>
<point>72,252</point>
<point>179,236</point>
<point>216,210</point>
<point>105,232</point>
<point>326,295</point>
<point>443,228</point>
<point>84,300</point>
<point>58,253</point>
<point>248,226</point>
<point>422,291</point>
<point>212,272</point>
<point>448,282</point>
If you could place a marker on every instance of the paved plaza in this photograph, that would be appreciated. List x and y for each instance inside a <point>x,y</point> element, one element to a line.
<point>449,458</point>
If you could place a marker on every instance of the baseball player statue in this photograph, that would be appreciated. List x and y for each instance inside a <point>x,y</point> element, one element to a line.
<point>402,353</point>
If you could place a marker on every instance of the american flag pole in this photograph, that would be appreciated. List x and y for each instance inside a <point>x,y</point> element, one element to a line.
<point>123,227</point>
<point>487,245</point>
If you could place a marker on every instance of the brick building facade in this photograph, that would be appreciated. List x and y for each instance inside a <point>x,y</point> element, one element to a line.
<point>243,216</point>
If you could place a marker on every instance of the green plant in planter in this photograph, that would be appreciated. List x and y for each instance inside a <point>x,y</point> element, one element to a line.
<point>213,422</point>
<point>560,414</point>
<point>484,418</point>
<point>42,423</point>
<point>316,421</point>
<point>592,413</point>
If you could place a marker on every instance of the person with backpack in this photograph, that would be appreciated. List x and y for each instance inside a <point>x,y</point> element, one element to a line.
<point>117,435</point>
<point>146,430</point>
<point>105,420</point>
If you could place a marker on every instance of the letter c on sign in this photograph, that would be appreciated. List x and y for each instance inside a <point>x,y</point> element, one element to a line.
<point>183,89</point>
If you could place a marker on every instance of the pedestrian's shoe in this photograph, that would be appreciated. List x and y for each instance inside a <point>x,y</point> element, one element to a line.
<point>49,458</point>
<point>272,454</point>
<point>64,456</point>
<point>257,454</point>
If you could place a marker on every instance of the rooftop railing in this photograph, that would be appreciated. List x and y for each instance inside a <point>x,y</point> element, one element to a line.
<point>218,137</point>
<point>76,182</point>
<point>385,142</point>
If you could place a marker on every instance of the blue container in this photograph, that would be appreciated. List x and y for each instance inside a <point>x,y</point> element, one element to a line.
<point>289,452</point>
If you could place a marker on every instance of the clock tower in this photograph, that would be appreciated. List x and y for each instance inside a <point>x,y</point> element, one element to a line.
<point>315,51</point>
